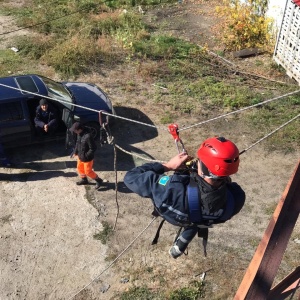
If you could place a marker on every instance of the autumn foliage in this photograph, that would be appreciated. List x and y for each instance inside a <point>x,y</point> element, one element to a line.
<point>245,24</point>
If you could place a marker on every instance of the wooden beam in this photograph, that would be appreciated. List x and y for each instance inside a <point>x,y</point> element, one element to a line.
<point>287,287</point>
<point>263,268</point>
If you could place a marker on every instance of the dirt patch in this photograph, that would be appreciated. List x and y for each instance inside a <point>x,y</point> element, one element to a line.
<point>190,20</point>
<point>48,223</point>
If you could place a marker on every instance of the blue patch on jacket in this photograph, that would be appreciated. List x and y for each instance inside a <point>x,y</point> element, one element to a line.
<point>163,180</point>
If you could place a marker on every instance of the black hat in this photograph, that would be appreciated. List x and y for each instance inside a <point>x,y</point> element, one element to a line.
<point>43,101</point>
<point>76,126</point>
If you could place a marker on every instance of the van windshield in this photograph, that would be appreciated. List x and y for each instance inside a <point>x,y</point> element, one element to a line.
<point>57,90</point>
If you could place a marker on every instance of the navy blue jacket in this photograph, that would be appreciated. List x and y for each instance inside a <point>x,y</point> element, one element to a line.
<point>42,118</point>
<point>169,194</point>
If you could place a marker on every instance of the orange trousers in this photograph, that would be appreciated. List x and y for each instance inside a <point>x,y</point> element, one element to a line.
<point>86,169</point>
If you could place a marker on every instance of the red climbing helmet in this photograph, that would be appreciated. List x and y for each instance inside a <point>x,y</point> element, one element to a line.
<point>220,156</point>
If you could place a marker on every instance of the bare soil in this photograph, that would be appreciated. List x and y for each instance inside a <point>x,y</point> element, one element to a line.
<point>48,223</point>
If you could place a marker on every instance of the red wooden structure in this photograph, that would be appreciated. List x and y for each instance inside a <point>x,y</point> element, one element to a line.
<point>297,2</point>
<point>259,277</point>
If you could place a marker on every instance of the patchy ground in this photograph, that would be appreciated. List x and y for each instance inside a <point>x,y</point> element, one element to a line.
<point>47,223</point>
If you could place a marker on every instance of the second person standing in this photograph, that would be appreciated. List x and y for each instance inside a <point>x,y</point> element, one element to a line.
<point>84,151</point>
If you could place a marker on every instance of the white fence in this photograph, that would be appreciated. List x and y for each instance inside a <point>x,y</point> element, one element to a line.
<point>287,49</point>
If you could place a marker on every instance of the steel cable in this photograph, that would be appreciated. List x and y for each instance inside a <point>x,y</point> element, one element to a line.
<point>127,247</point>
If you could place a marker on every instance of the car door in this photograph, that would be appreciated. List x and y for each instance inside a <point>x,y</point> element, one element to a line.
<point>15,126</point>
<point>68,119</point>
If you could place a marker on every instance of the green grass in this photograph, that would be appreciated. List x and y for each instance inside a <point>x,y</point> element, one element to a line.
<point>164,47</point>
<point>270,208</point>
<point>138,293</point>
<point>270,117</point>
<point>9,61</point>
<point>193,83</point>
<point>98,35</point>
<point>105,234</point>
<point>193,292</point>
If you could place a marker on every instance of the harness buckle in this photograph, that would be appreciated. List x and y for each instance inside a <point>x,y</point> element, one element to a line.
<point>100,118</point>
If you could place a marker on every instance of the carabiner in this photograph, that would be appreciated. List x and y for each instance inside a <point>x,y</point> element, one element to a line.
<point>173,129</point>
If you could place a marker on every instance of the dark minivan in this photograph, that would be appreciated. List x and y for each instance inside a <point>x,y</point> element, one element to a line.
<point>20,96</point>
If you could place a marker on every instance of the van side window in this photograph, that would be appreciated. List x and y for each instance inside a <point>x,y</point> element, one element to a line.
<point>11,111</point>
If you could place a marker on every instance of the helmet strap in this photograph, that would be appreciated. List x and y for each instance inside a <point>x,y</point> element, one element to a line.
<point>205,173</point>
<point>204,170</point>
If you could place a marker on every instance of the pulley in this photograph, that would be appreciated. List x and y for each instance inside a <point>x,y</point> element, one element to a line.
<point>174,130</point>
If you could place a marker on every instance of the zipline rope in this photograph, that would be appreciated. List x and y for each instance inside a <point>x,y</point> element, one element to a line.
<point>116,186</point>
<point>154,126</point>
<point>128,246</point>
<point>41,23</point>
<point>136,155</point>
<point>185,128</point>
<point>240,110</point>
<point>270,133</point>
<point>239,69</point>
<point>80,106</point>
<point>243,151</point>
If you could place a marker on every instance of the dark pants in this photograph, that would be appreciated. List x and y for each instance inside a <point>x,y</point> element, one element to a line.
<point>189,232</point>
<point>4,161</point>
<point>2,152</point>
<point>41,132</point>
<point>186,237</point>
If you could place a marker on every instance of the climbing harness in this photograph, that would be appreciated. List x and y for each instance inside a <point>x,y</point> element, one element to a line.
<point>192,195</point>
<point>196,216</point>
<point>173,129</point>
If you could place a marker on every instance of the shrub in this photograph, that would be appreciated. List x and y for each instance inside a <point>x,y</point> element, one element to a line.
<point>34,47</point>
<point>79,54</point>
<point>246,25</point>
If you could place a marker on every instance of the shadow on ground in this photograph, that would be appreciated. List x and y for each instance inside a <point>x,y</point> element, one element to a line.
<point>126,134</point>
<point>107,158</point>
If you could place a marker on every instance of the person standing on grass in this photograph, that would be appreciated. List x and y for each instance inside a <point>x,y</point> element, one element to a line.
<point>84,151</point>
<point>194,198</point>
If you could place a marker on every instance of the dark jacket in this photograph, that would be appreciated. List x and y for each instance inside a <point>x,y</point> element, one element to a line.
<point>85,146</point>
<point>49,117</point>
<point>169,195</point>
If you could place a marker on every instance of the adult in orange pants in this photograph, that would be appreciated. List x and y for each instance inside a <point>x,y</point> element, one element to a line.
<point>84,150</point>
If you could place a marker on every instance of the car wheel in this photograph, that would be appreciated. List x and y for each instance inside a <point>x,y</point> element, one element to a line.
<point>94,129</point>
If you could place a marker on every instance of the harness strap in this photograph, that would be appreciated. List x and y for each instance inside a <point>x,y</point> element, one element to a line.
<point>155,240</point>
<point>178,234</point>
<point>229,208</point>
<point>203,232</point>
<point>155,213</point>
<point>193,202</point>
